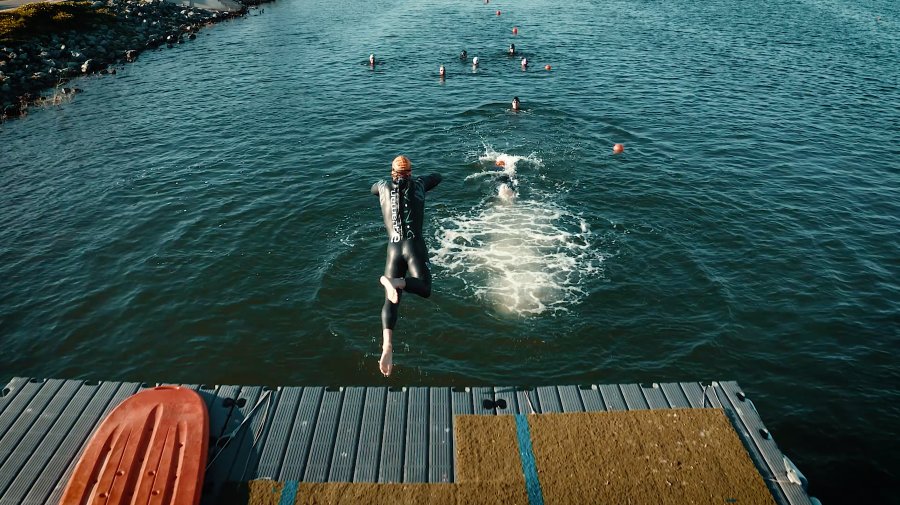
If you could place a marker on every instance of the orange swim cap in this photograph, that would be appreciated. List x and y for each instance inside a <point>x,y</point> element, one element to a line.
<point>401,167</point>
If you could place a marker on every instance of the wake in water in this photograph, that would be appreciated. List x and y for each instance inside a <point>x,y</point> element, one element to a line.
<point>522,256</point>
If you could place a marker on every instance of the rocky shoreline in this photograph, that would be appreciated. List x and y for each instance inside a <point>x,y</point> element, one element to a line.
<point>34,71</point>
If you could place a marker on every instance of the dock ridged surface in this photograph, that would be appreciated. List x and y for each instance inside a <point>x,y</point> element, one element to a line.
<point>334,434</point>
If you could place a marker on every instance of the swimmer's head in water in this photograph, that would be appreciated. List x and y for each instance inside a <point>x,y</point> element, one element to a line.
<point>515,103</point>
<point>401,167</point>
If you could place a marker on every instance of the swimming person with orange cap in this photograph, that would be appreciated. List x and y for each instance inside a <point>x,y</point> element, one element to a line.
<point>406,268</point>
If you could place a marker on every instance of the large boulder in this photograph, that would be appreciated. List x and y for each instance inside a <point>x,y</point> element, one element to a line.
<point>91,65</point>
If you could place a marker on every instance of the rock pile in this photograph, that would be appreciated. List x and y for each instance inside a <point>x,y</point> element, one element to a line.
<point>47,61</point>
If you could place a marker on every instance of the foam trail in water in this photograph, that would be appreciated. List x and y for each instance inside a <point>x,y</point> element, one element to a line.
<point>524,257</point>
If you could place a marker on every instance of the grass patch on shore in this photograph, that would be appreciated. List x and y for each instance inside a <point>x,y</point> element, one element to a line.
<point>43,18</point>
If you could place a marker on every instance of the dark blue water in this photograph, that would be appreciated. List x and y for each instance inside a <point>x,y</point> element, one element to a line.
<point>204,215</point>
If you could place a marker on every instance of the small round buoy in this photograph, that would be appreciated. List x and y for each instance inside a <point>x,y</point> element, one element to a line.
<point>618,149</point>
<point>500,163</point>
<point>498,13</point>
<point>515,30</point>
<point>547,67</point>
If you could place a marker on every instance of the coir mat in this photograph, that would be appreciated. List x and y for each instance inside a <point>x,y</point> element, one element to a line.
<point>672,456</point>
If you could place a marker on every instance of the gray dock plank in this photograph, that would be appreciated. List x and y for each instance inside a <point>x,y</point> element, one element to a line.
<point>232,441</point>
<point>44,456</point>
<point>675,395</point>
<point>28,417</point>
<point>612,397</point>
<point>11,417</point>
<point>298,445</point>
<point>732,397</point>
<point>479,395</point>
<point>66,454</point>
<point>440,437</point>
<point>570,399</point>
<point>260,425</point>
<point>392,443</point>
<point>9,392</point>
<point>633,396</point>
<point>710,398</point>
<point>655,397</point>
<point>219,410</point>
<point>274,445</point>
<point>549,398</point>
<point>14,453</point>
<point>344,458</point>
<point>368,453</point>
<point>221,424</point>
<point>323,438</point>
<point>693,391</point>
<point>591,398</point>
<point>250,445</point>
<point>415,468</point>
<point>508,395</point>
<point>461,403</point>
<point>528,401</point>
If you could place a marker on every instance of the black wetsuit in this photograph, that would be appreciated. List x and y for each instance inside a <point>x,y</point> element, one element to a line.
<point>403,208</point>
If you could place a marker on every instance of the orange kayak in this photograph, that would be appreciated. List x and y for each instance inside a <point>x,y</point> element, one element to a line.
<point>151,448</point>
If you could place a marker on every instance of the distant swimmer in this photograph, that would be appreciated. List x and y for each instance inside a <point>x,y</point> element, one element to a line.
<point>516,104</point>
<point>512,50</point>
<point>464,55</point>
<point>524,63</point>
<point>372,60</point>
<point>442,72</point>
<point>406,268</point>
<point>474,63</point>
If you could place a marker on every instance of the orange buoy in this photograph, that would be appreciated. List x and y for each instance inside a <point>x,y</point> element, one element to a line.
<point>618,149</point>
<point>498,13</point>
<point>500,163</point>
<point>547,67</point>
<point>515,30</point>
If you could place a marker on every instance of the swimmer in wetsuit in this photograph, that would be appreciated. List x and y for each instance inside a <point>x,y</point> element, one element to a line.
<point>406,269</point>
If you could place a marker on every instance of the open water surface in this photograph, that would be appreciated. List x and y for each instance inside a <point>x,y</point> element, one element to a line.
<point>205,216</point>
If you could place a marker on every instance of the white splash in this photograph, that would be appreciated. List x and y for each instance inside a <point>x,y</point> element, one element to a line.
<point>496,164</point>
<point>523,256</point>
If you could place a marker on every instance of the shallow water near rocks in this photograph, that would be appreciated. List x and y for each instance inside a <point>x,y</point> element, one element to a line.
<point>204,215</point>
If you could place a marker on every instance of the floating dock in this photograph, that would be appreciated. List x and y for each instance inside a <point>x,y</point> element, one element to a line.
<point>401,435</point>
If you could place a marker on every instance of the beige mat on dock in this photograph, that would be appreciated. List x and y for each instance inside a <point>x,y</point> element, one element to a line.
<point>646,456</point>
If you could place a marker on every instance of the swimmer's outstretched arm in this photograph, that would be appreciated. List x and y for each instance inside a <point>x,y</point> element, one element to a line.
<point>432,180</point>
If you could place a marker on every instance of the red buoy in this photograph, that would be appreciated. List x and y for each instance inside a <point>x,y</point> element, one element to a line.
<point>498,13</point>
<point>515,30</point>
<point>618,149</point>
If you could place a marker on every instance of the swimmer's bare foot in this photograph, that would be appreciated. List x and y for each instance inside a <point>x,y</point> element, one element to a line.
<point>390,292</point>
<point>386,363</point>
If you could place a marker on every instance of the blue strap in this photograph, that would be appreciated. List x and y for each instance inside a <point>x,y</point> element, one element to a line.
<point>289,493</point>
<point>529,467</point>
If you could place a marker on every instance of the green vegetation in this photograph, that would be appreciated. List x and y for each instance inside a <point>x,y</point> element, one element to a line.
<point>43,18</point>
